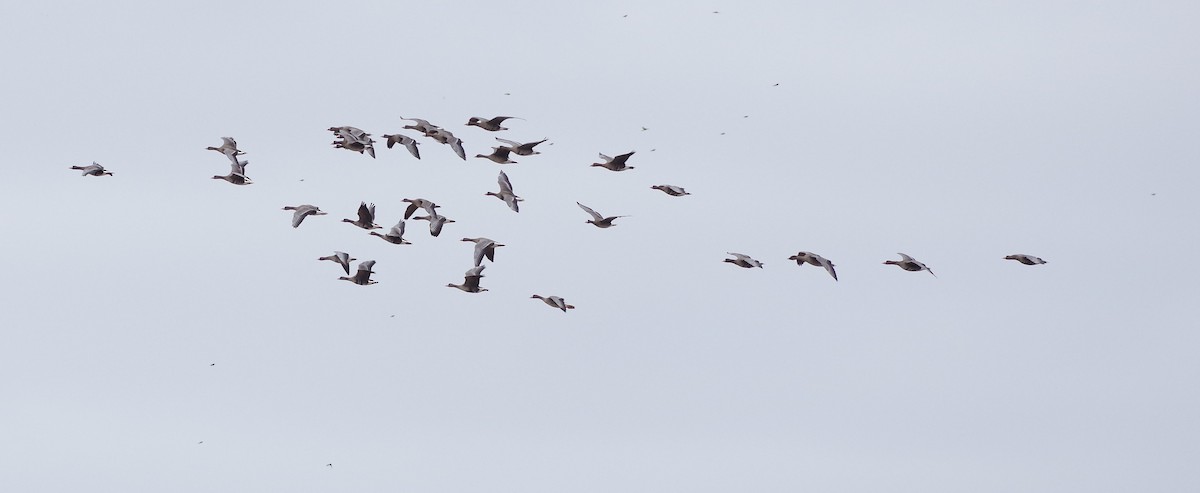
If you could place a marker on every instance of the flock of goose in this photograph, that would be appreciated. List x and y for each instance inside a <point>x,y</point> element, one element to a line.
<point>357,140</point>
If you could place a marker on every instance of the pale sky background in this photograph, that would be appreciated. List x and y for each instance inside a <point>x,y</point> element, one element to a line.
<point>957,132</point>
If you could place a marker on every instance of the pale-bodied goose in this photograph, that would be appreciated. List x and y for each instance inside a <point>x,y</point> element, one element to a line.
<point>363,276</point>
<point>414,204</point>
<point>366,217</point>
<point>471,280</point>
<point>554,301</point>
<point>342,258</point>
<point>598,220</point>
<point>499,155</point>
<point>436,221</point>
<point>743,261</point>
<point>1025,259</point>
<point>394,235</point>
<point>354,139</point>
<point>520,149</point>
<point>406,141</point>
<point>237,174</point>
<point>93,169</point>
<point>228,148</point>
<point>615,163</point>
<point>909,264</point>
<point>484,247</point>
<point>303,211</point>
<point>492,124</point>
<point>422,126</point>
<point>506,193</point>
<point>671,190</point>
<point>814,259</point>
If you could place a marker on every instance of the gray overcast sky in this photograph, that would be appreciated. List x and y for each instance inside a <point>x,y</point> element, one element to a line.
<point>957,132</point>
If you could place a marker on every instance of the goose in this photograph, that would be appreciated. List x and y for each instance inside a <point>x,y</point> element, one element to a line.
<point>909,264</point>
<point>484,247</point>
<point>598,220</point>
<point>520,149</point>
<point>342,258</point>
<point>554,301</point>
<point>414,204</point>
<point>743,261</point>
<point>671,190</point>
<point>354,139</point>
<point>350,133</point>
<point>444,136</point>
<point>489,124</point>
<point>422,126</point>
<point>366,217</point>
<point>471,280</point>
<point>499,155</point>
<point>814,259</point>
<point>303,211</point>
<point>394,235</point>
<point>237,174</point>
<point>436,221</point>
<point>406,141</point>
<point>356,146</point>
<point>93,169</point>
<point>363,276</point>
<point>228,148</point>
<point>1025,259</point>
<point>615,163</point>
<point>506,193</point>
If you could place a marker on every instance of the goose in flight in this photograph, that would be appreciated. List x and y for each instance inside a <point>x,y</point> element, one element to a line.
<point>414,204</point>
<point>814,259</point>
<point>342,258</point>
<point>444,136</point>
<point>499,155</point>
<point>422,126</point>
<point>436,221</point>
<point>471,280</point>
<point>363,276</point>
<point>598,220</point>
<point>615,163</point>
<point>237,174</point>
<point>394,235</point>
<point>492,124</point>
<point>909,264</point>
<point>484,247</point>
<point>93,169</point>
<point>303,211</point>
<point>406,141</point>
<point>671,190</point>
<point>366,217</point>
<point>228,148</point>
<point>743,261</point>
<point>1025,259</point>
<point>554,301</point>
<point>354,139</point>
<point>506,193</point>
<point>520,149</point>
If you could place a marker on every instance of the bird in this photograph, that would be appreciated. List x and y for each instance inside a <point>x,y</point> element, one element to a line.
<point>489,124</point>
<point>909,264</point>
<point>1025,259</point>
<point>671,190</point>
<point>414,204</point>
<point>598,220</point>
<point>554,301</point>
<point>354,139</point>
<point>814,259</point>
<point>506,193</point>
<point>228,148</point>
<point>93,169</point>
<point>484,247</point>
<point>615,163</point>
<point>394,235</point>
<point>436,221</point>
<point>366,217</point>
<point>237,174</point>
<point>363,276</point>
<point>743,261</point>
<point>499,155</point>
<point>444,136</point>
<point>408,142</point>
<point>520,149</point>
<point>303,211</point>
<point>471,280</point>
<point>342,258</point>
<point>422,126</point>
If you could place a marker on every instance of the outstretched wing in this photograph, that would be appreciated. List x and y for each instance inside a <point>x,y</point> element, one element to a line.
<point>505,185</point>
<point>595,215</point>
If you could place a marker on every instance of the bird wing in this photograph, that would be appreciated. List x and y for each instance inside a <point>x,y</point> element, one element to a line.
<point>828,266</point>
<point>509,142</point>
<point>511,200</point>
<point>604,158</point>
<point>397,230</point>
<point>904,257</point>
<point>456,144</point>
<point>412,207</point>
<point>505,185</point>
<point>622,158</point>
<point>595,215</point>
<point>411,145</point>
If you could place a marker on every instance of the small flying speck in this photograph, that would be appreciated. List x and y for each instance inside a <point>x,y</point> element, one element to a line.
<point>652,150</point>
<point>626,15</point>
<point>722,133</point>
<point>644,129</point>
<point>212,364</point>
<point>775,85</point>
<point>328,465</point>
<point>745,116</point>
<point>508,94</point>
<point>201,442</point>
